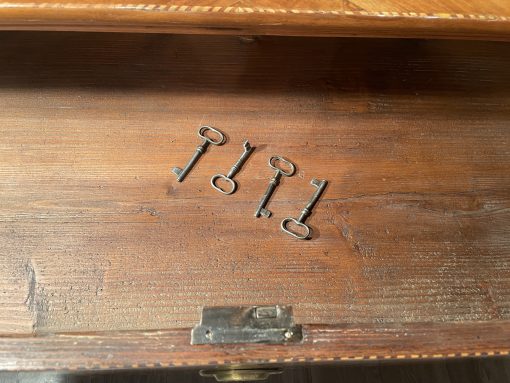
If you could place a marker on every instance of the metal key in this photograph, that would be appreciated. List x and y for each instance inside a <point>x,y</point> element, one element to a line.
<point>273,183</point>
<point>248,149</point>
<point>182,173</point>
<point>305,213</point>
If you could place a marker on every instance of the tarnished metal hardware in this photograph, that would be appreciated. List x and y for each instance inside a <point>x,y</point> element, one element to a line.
<point>273,183</point>
<point>182,173</point>
<point>240,374</point>
<point>246,324</point>
<point>248,149</point>
<point>305,213</point>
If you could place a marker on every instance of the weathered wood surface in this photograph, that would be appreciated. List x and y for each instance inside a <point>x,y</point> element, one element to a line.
<point>97,235</point>
<point>469,19</point>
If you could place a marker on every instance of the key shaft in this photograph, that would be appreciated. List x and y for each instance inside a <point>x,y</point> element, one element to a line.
<point>201,149</point>
<point>182,173</point>
<point>273,183</point>
<point>305,213</point>
<point>240,162</point>
<point>274,163</point>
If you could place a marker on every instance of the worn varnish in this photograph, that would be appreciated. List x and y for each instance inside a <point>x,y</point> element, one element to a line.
<point>97,235</point>
<point>467,19</point>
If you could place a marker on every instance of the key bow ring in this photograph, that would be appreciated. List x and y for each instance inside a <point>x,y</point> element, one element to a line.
<point>273,163</point>
<point>206,128</point>
<point>307,229</point>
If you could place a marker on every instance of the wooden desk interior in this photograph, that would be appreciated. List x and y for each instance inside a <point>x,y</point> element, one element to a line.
<point>97,235</point>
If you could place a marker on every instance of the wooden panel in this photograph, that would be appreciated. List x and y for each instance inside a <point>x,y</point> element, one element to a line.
<point>494,370</point>
<point>97,235</point>
<point>487,19</point>
<point>149,349</point>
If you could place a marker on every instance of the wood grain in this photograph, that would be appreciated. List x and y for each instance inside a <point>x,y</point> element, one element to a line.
<point>347,343</point>
<point>490,370</point>
<point>487,19</point>
<point>97,235</point>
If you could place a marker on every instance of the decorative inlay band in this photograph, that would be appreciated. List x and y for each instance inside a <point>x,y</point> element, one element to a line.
<point>246,10</point>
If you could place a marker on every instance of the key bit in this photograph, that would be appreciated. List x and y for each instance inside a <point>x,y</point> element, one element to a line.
<point>264,212</point>
<point>305,213</point>
<point>248,149</point>
<point>201,149</point>
<point>273,183</point>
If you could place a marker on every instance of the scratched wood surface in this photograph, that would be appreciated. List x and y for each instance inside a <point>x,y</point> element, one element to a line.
<point>468,19</point>
<point>97,235</point>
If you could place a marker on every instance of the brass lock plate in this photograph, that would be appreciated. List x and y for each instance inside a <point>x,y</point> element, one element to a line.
<point>241,374</point>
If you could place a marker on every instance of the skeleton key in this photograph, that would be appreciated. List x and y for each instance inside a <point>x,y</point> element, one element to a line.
<point>248,149</point>
<point>273,183</point>
<point>305,213</point>
<point>182,173</point>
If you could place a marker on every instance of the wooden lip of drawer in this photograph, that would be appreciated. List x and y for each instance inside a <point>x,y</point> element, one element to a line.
<point>171,348</point>
<point>448,21</point>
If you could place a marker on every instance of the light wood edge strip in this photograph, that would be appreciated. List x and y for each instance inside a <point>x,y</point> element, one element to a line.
<point>270,361</point>
<point>171,348</point>
<point>242,10</point>
<point>263,362</point>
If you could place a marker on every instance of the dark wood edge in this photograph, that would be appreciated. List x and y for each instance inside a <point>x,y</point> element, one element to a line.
<point>171,348</point>
<point>162,19</point>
